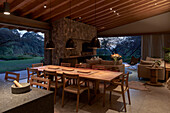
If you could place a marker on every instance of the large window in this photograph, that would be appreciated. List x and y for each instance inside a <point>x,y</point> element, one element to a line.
<point>19,49</point>
<point>126,46</point>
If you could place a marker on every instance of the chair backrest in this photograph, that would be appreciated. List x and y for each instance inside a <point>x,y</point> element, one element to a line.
<point>71,76</point>
<point>80,65</point>
<point>48,73</point>
<point>66,64</point>
<point>134,60</point>
<point>37,65</point>
<point>98,67</point>
<point>125,78</point>
<point>17,75</point>
<point>39,81</point>
<point>32,72</point>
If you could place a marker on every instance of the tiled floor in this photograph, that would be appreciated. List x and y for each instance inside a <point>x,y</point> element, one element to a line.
<point>156,100</point>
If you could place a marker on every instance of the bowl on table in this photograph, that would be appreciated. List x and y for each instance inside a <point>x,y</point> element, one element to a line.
<point>18,90</point>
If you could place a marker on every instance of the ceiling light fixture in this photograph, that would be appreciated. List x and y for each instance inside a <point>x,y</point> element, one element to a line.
<point>45,6</point>
<point>80,17</point>
<point>6,8</point>
<point>111,9</point>
<point>95,41</point>
<point>70,43</point>
<point>114,11</point>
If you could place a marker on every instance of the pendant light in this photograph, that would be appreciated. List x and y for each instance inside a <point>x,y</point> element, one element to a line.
<point>95,41</point>
<point>70,43</point>
<point>50,44</point>
<point>6,8</point>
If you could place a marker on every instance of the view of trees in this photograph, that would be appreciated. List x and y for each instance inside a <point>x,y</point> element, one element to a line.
<point>13,43</point>
<point>127,46</point>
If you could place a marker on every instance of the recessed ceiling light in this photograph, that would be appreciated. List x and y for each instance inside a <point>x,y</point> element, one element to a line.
<point>111,9</point>
<point>118,14</point>
<point>80,17</point>
<point>114,11</point>
<point>155,3</point>
<point>45,6</point>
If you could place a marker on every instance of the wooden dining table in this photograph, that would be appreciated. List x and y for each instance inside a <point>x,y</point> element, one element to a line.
<point>90,74</point>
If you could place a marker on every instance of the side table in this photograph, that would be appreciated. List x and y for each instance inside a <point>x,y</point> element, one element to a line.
<point>154,76</point>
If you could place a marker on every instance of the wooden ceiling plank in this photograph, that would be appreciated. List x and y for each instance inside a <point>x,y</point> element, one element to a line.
<point>54,5</point>
<point>62,9</point>
<point>131,19</point>
<point>33,7</point>
<point>125,12</point>
<point>106,12</point>
<point>104,8</point>
<point>76,9</point>
<point>17,4</point>
<point>15,20</point>
<point>137,16</point>
<point>91,9</point>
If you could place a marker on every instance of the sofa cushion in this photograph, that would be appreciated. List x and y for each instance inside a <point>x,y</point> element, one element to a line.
<point>146,62</point>
<point>93,62</point>
<point>106,62</point>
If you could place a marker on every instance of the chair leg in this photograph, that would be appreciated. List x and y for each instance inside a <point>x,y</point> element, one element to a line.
<point>128,96</point>
<point>63,98</point>
<point>124,102</point>
<point>104,98</point>
<point>88,95</point>
<point>77,103</point>
<point>110,97</point>
<point>55,94</point>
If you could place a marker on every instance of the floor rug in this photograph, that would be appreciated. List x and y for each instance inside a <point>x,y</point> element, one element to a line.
<point>138,85</point>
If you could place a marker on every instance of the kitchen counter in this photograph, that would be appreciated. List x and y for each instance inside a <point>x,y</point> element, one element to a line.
<point>36,100</point>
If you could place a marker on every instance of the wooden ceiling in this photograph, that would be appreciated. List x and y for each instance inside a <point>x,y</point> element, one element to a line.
<point>104,14</point>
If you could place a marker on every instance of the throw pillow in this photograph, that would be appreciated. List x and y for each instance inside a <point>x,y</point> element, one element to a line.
<point>146,62</point>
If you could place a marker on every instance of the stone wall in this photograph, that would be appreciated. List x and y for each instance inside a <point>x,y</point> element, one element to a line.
<point>64,29</point>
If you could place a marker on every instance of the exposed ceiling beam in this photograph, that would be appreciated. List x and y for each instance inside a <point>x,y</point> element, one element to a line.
<point>33,7</point>
<point>55,4</point>
<point>62,9</point>
<point>77,9</point>
<point>18,4</point>
<point>136,17</point>
<point>15,20</point>
<point>133,13</point>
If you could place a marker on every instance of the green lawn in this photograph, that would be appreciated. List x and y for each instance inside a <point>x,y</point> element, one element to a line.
<point>14,65</point>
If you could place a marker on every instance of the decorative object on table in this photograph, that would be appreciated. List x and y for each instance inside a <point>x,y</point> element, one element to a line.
<point>116,57</point>
<point>156,64</point>
<point>19,88</point>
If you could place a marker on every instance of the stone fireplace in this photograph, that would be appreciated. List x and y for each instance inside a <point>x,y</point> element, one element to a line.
<point>64,29</point>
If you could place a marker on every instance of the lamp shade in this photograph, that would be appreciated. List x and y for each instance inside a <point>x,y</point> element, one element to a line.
<point>95,43</point>
<point>70,44</point>
<point>6,8</point>
<point>50,45</point>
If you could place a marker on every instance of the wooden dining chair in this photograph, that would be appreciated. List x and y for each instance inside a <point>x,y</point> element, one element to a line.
<point>12,75</point>
<point>66,64</point>
<point>56,83</point>
<point>37,65</point>
<point>98,67</point>
<point>80,66</point>
<point>41,82</point>
<point>32,72</point>
<point>74,88</point>
<point>120,87</point>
